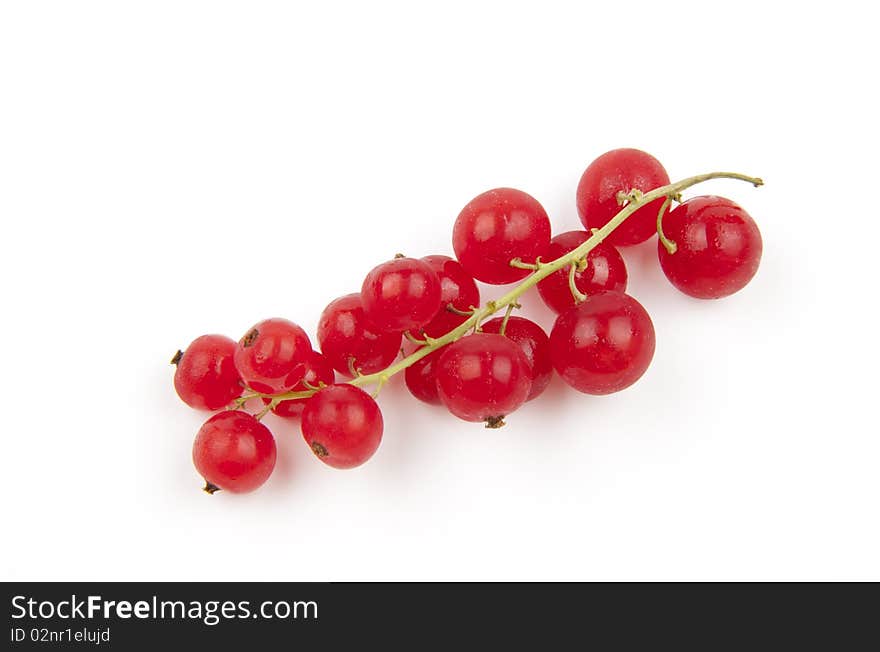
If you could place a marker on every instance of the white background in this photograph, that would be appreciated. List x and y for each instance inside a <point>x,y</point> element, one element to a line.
<point>174,168</point>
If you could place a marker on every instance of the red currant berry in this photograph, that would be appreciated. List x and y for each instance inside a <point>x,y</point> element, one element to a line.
<point>349,342</point>
<point>496,227</point>
<point>318,372</point>
<point>534,343</point>
<point>718,247</point>
<point>605,270</point>
<point>343,426</point>
<point>457,288</point>
<point>401,294</point>
<point>603,344</point>
<point>483,377</point>
<point>271,354</point>
<point>233,451</point>
<point>421,378</point>
<point>620,170</point>
<point>206,378</point>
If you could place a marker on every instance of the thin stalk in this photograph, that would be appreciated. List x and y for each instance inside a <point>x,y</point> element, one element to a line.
<point>668,244</point>
<point>544,269</point>
<point>572,286</point>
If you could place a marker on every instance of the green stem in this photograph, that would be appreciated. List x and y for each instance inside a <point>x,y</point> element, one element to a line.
<point>668,244</point>
<point>461,313</point>
<point>519,264</point>
<point>506,319</point>
<point>572,286</point>
<point>415,340</point>
<point>544,270</point>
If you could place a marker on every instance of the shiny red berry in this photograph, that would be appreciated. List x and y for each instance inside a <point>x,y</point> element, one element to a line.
<point>457,288</point>
<point>343,426</point>
<point>401,294</point>
<point>718,247</point>
<point>318,372</point>
<point>233,451</point>
<point>534,343</point>
<point>620,170</point>
<point>421,378</point>
<point>496,227</point>
<point>206,378</point>
<point>605,270</point>
<point>270,356</point>
<point>603,344</point>
<point>483,377</point>
<point>348,341</point>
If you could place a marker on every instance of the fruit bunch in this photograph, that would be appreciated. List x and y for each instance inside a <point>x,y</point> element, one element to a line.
<point>423,317</point>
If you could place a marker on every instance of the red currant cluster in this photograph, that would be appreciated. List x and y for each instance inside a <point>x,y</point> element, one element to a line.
<point>428,311</point>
